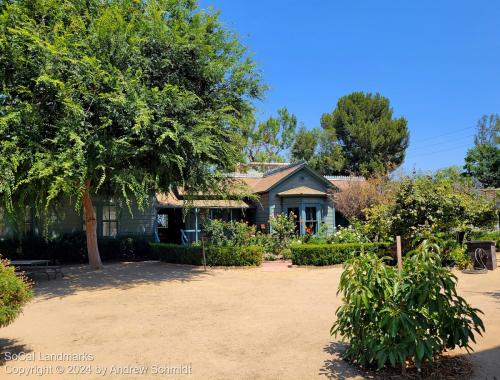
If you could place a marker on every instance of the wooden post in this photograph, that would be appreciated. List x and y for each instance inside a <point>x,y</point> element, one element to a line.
<point>400,257</point>
<point>203,238</point>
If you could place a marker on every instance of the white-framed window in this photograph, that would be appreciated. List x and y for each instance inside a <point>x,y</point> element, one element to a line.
<point>109,221</point>
<point>162,220</point>
<point>311,221</point>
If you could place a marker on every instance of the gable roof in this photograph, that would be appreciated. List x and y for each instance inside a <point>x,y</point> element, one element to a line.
<point>270,179</point>
<point>302,190</point>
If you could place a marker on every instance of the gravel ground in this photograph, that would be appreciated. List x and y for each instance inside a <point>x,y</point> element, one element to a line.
<point>261,323</point>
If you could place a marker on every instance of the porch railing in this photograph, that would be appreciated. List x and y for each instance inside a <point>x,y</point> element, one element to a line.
<point>189,236</point>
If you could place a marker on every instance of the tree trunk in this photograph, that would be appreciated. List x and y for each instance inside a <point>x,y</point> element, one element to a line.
<point>91,229</point>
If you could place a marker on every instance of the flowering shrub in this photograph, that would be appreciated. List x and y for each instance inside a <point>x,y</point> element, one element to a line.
<point>347,235</point>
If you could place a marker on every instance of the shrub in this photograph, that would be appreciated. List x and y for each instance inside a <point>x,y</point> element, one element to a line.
<point>72,248</point>
<point>487,235</point>
<point>15,292</point>
<point>388,317</point>
<point>234,256</point>
<point>229,234</point>
<point>215,255</point>
<point>347,235</point>
<point>282,233</point>
<point>330,254</point>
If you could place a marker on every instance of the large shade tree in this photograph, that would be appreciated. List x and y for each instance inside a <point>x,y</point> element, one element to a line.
<point>372,140</point>
<point>117,98</point>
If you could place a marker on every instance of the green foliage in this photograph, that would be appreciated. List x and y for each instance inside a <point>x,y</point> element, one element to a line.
<point>233,234</point>
<point>483,160</point>
<point>424,204</point>
<point>267,141</point>
<point>133,96</point>
<point>282,233</point>
<point>486,235</point>
<point>347,235</point>
<point>305,144</point>
<point>392,318</point>
<point>372,140</point>
<point>215,255</point>
<point>72,248</point>
<point>330,254</point>
<point>178,254</point>
<point>15,292</point>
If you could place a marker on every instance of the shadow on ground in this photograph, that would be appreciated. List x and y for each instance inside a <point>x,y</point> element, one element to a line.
<point>9,347</point>
<point>116,276</point>
<point>337,368</point>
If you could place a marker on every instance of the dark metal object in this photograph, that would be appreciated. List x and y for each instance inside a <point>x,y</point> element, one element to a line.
<point>482,253</point>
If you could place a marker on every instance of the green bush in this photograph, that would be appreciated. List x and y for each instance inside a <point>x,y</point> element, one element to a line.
<point>15,291</point>
<point>72,248</point>
<point>487,235</point>
<point>392,318</point>
<point>282,232</point>
<point>229,234</point>
<point>330,254</point>
<point>216,256</point>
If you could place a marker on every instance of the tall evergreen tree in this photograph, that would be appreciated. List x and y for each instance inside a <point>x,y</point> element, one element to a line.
<point>371,139</point>
<point>117,98</point>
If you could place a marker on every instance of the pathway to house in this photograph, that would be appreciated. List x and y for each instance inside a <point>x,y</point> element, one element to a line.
<point>260,323</point>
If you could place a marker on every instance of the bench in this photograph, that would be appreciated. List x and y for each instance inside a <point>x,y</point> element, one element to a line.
<point>47,269</point>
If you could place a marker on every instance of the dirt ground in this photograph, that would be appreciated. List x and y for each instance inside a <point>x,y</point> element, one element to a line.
<point>261,323</point>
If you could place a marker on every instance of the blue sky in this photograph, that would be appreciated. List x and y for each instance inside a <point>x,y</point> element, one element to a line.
<point>437,61</point>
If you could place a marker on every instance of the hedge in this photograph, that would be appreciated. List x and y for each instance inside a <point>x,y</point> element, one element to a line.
<point>487,235</point>
<point>72,248</point>
<point>216,256</point>
<point>330,254</point>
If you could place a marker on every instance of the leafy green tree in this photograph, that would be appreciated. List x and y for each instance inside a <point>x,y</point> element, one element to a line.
<point>117,98</point>
<point>268,141</point>
<point>305,144</point>
<point>372,140</point>
<point>483,160</point>
<point>424,204</point>
<point>329,158</point>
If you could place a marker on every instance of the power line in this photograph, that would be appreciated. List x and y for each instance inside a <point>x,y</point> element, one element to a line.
<point>445,134</point>
<point>443,142</point>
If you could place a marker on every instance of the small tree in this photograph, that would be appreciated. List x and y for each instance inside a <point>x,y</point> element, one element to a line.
<point>15,292</point>
<point>392,318</point>
<point>359,195</point>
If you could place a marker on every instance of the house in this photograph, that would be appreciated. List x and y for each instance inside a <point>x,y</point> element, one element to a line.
<point>283,188</point>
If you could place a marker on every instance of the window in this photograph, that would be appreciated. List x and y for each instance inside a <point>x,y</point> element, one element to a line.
<point>109,221</point>
<point>162,220</point>
<point>296,215</point>
<point>311,221</point>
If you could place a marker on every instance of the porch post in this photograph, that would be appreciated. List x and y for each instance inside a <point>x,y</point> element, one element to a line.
<point>196,224</point>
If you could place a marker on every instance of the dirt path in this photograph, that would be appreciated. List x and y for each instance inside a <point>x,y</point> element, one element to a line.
<point>222,324</point>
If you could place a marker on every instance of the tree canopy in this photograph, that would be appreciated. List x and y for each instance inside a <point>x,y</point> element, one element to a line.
<point>270,140</point>
<point>483,160</point>
<point>118,98</point>
<point>305,144</point>
<point>371,140</point>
